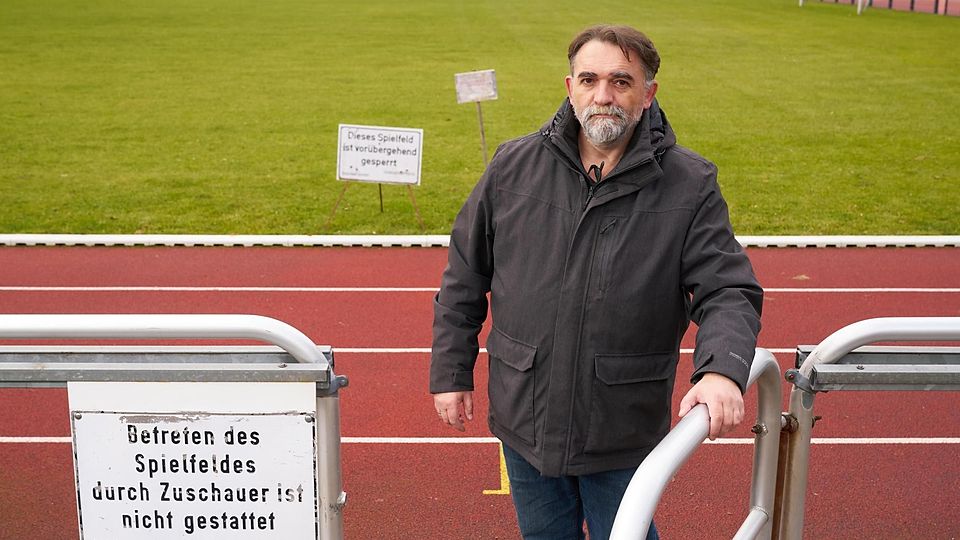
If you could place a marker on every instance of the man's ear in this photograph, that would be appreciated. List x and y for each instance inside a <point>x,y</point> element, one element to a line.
<point>651,92</point>
<point>568,81</point>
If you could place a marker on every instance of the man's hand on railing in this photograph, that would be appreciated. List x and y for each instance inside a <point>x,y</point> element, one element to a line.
<point>723,399</point>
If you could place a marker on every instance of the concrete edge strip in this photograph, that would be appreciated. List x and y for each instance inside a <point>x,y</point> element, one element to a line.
<point>251,240</point>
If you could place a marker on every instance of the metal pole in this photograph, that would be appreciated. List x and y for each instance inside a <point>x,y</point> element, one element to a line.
<point>797,463</point>
<point>483,137</point>
<point>415,208</point>
<point>380,187</point>
<point>331,497</point>
<point>335,205</point>
<point>643,493</point>
<point>766,449</point>
<point>757,520</point>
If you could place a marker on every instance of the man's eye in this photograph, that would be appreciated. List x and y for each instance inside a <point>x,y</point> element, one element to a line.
<point>586,81</point>
<point>620,83</point>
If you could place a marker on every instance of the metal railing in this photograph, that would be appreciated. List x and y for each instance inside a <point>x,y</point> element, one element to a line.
<point>796,457</point>
<point>331,497</point>
<point>643,493</point>
<point>162,327</point>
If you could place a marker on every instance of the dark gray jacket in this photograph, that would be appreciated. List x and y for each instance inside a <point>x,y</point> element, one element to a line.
<point>591,290</point>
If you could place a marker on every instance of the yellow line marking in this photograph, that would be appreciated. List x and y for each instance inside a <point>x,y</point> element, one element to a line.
<point>504,479</point>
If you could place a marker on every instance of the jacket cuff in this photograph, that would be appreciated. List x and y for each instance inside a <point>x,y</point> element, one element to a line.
<point>736,368</point>
<point>458,381</point>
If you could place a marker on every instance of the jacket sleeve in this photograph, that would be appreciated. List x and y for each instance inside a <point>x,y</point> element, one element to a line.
<point>460,307</point>
<point>725,297</point>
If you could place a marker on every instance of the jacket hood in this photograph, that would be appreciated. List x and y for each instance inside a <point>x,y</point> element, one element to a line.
<point>652,137</point>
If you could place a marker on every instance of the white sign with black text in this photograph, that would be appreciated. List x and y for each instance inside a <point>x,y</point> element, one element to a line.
<point>195,460</point>
<point>385,155</point>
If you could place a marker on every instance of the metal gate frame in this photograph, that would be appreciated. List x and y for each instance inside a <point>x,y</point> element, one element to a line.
<point>821,369</point>
<point>842,361</point>
<point>35,366</point>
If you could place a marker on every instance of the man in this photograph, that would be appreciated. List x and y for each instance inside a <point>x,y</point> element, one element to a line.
<point>599,240</point>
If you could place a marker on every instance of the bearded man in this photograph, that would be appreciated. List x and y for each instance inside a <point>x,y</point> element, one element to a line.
<point>598,239</point>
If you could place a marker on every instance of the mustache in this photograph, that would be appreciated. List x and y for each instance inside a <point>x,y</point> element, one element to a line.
<point>611,110</point>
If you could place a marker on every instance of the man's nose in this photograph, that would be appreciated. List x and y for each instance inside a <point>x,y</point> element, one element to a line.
<point>603,94</point>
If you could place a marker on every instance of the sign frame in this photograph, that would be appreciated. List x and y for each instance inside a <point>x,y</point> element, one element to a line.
<point>373,137</point>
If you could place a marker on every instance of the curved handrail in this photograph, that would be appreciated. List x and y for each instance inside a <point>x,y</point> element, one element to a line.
<point>868,331</point>
<point>643,493</point>
<point>187,326</point>
<point>831,349</point>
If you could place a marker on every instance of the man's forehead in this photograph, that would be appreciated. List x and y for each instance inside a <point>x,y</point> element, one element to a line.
<point>602,58</point>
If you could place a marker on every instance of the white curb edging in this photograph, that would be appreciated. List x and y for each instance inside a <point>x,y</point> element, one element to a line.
<point>250,240</point>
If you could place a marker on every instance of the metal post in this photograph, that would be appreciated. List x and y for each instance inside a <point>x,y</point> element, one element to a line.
<point>380,188</point>
<point>766,449</point>
<point>331,497</point>
<point>797,461</point>
<point>335,205</point>
<point>483,137</point>
<point>415,209</point>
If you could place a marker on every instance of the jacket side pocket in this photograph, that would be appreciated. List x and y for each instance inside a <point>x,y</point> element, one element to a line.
<point>630,406</point>
<point>511,384</point>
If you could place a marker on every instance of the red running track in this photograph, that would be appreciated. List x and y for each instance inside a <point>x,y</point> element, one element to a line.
<point>436,490</point>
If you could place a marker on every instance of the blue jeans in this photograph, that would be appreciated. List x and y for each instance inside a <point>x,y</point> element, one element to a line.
<point>551,508</point>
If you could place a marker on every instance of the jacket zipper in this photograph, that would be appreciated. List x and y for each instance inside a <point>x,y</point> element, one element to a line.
<point>591,189</point>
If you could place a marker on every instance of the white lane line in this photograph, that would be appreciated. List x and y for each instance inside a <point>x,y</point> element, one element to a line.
<point>804,290</point>
<point>494,440</point>
<point>800,290</point>
<point>890,440</point>
<point>220,289</point>
<point>419,440</point>
<point>35,440</point>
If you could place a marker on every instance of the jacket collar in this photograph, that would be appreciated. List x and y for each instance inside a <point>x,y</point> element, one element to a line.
<point>650,140</point>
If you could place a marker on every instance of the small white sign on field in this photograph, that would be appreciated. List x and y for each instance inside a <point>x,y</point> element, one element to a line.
<point>195,460</point>
<point>476,86</point>
<point>385,155</point>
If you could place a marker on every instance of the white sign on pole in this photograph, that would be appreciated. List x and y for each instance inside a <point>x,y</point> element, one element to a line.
<point>195,460</point>
<point>476,86</point>
<point>384,155</point>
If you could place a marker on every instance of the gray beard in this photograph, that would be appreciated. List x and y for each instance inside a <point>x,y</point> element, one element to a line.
<point>604,131</point>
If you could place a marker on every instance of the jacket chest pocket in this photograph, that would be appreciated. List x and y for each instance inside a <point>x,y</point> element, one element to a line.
<point>604,251</point>
<point>630,405</point>
<point>511,385</point>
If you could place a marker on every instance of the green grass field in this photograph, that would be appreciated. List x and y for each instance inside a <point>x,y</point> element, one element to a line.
<point>220,116</point>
